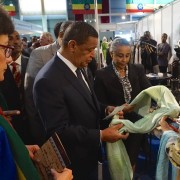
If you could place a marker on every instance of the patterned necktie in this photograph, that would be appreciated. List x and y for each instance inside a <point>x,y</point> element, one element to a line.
<point>16,73</point>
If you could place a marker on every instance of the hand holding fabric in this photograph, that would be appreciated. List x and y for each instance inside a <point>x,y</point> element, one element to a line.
<point>110,109</point>
<point>112,134</point>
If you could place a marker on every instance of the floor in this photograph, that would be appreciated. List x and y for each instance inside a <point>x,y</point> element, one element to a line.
<point>146,165</point>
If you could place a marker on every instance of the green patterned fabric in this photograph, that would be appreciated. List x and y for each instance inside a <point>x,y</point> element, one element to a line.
<point>19,151</point>
<point>119,163</point>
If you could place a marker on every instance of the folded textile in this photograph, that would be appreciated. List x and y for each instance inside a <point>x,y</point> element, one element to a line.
<point>116,153</point>
<point>163,162</point>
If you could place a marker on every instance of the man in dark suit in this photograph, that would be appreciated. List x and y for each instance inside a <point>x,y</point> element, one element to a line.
<point>67,104</point>
<point>13,89</point>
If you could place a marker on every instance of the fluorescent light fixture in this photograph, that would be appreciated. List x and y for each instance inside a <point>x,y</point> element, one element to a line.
<point>51,7</point>
<point>123,17</point>
<point>55,6</point>
<point>32,7</point>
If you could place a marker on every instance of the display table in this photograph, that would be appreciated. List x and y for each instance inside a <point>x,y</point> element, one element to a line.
<point>158,79</point>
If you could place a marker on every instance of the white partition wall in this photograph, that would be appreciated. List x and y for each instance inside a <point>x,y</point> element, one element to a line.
<point>165,20</point>
<point>157,26</point>
<point>176,22</point>
<point>151,24</point>
<point>145,24</point>
<point>139,29</point>
<point>167,23</point>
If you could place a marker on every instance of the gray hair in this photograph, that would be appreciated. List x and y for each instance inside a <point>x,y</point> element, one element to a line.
<point>118,42</point>
<point>48,36</point>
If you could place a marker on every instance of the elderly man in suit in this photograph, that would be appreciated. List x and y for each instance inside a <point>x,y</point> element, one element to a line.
<point>67,104</point>
<point>38,58</point>
<point>13,85</point>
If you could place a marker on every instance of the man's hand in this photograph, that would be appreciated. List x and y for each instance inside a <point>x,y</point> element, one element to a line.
<point>32,149</point>
<point>112,134</point>
<point>65,175</point>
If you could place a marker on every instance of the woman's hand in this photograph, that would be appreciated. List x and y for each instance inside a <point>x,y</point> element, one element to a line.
<point>128,108</point>
<point>65,175</point>
<point>110,109</point>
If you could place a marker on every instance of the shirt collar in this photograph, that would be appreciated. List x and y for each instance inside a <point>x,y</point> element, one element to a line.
<point>67,62</point>
<point>18,60</point>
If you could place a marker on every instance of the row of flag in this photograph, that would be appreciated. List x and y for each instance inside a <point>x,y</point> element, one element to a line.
<point>88,6</point>
<point>132,6</point>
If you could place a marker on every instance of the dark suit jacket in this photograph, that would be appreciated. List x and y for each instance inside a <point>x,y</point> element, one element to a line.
<point>66,108</point>
<point>110,91</point>
<point>14,97</point>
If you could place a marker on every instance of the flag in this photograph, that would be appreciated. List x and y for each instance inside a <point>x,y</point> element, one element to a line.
<point>134,6</point>
<point>11,10</point>
<point>85,6</point>
<point>146,6</point>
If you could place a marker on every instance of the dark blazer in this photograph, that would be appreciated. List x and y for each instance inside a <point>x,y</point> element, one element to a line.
<point>66,108</point>
<point>110,91</point>
<point>14,97</point>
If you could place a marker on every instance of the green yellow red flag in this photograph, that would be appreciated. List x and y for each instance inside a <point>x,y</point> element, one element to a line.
<point>11,10</point>
<point>85,6</point>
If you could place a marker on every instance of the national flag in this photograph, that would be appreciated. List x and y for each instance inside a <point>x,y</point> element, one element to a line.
<point>86,6</point>
<point>11,10</point>
<point>146,6</point>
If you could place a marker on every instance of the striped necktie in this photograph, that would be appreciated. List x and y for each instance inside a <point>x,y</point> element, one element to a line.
<point>16,73</point>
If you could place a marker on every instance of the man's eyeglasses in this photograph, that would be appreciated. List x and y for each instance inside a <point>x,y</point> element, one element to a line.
<point>7,49</point>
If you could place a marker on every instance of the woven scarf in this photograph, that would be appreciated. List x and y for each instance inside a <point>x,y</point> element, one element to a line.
<point>125,83</point>
<point>24,166</point>
<point>119,163</point>
<point>165,170</point>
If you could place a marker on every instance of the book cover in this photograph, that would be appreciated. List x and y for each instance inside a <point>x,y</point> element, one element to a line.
<point>51,155</point>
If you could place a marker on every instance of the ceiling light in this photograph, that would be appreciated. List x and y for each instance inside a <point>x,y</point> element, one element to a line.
<point>123,17</point>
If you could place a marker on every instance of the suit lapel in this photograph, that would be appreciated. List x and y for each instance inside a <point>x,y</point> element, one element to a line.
<point>115,80</point>
<point>69,75</point>
<point>131,74</point>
